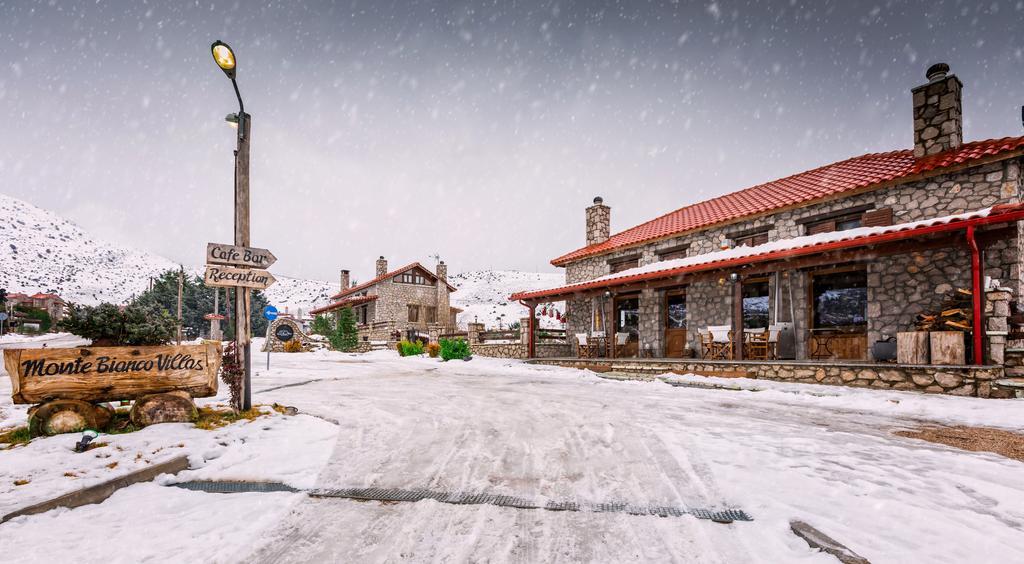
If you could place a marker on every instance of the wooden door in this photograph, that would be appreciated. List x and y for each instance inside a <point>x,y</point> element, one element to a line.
<point>675,323</point>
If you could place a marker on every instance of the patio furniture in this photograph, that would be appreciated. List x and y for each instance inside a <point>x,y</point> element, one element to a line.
<point>706,343</point>
<point>600,341</point>
<point>756,343</point>
<point>773,341</point>
<point>620,341</point>
<point>721,342</point>
<point>582,346</point>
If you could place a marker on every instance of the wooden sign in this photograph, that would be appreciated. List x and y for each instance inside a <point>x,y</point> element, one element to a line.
<point>229,277</point>
<point>239,256</point>
<point>111,373</point>
<point>214,317</point>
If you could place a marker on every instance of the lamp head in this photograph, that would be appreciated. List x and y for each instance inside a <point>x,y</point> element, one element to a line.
<point>224,57</point>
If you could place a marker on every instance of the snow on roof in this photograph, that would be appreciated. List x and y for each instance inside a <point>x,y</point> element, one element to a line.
<point>708,261</point>
<point>857,173</point>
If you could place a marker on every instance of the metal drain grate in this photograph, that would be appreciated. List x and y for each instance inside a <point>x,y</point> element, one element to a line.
<point>464,498</point>
<point>235,487</point>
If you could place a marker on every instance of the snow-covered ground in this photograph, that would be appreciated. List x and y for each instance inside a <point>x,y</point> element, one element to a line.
<point>483,295</point>
<point>825,455</point>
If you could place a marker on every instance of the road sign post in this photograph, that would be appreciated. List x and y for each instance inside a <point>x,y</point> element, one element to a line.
<point>270,314</point>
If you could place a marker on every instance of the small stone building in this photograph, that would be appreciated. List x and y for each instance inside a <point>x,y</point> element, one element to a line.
<point>841,256</point>
<point>396,304</point>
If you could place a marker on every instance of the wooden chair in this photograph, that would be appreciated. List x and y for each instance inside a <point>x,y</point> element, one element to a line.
<point>721,341</point>
<point>620,343</point>
<point>583,349</point>
<point>706,343</point>
<point>756,343</point>
<point>773,341</point>
<point>600,343</point>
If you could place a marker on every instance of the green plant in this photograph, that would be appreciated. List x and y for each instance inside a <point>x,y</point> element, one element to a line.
<point>37,314</point>
<point>346,335</point>
<point>454,349</point>
<point>110,325</point>
<point>433,349</point>
<point>409,348</point>
<point>322,326</point>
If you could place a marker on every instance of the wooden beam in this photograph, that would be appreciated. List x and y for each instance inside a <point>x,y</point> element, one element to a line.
<point>737,319</point>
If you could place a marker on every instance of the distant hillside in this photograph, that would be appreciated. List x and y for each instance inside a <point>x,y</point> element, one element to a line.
<point>484,296</point>
<point>41,251</point>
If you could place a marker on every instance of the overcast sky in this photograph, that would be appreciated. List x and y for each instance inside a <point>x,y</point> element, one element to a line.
<point>476,130</point>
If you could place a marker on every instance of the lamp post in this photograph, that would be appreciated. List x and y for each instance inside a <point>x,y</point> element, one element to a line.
<point>225,59</point>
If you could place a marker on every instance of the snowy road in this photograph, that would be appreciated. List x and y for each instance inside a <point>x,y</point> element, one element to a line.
<point>563,434</point>
<point>824,455</point>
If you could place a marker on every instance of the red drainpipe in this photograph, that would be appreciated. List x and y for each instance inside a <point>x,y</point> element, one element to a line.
<point>976,292</point>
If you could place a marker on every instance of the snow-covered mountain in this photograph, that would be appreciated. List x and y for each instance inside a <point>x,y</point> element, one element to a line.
<point>484,296</point>
<point>43,252</point>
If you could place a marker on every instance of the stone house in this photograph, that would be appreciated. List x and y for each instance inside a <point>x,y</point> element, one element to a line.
<point>409,301</point>
<point>847,254</point>
<point>52,304</point>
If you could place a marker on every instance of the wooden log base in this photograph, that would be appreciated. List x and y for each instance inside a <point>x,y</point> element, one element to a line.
<point>67,416</point>
<point>171,407</point>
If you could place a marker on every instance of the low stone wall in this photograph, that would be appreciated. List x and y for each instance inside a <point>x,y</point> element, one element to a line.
<point>953,380</point>
<point>519,350</point>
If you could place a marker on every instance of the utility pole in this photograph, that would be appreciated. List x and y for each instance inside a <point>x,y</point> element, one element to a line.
<point>242,294</point>
<point>181,276</point>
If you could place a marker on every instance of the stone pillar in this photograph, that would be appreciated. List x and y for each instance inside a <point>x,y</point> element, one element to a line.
<point>651,323</point>
<point>474,330</point>
<point>938,116</point>
<point>997,315</point>
<point>599,218</point>
<point>345,280</point>
<point>443,297</point>
<point>524,330</point>
<point>382,266</point>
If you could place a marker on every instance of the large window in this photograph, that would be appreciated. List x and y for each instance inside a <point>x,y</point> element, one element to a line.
<point>412,278</point>
<point>675,317</point>
<point>361,315</point>
<point>752,239</point>
<point>840,299</point>
<point>627,317</point>
<point>414,313</point>
<point>755,304</point>
<point>431,314</point>
<point>620,265</point>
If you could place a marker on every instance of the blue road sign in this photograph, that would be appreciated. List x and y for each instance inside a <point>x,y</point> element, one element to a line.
<point>270,313</point>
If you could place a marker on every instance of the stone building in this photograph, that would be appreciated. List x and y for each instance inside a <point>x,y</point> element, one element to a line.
<point>847,254</point>
<point>409,301</point>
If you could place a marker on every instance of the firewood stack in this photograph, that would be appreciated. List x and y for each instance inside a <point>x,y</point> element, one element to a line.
<point>956,314</point>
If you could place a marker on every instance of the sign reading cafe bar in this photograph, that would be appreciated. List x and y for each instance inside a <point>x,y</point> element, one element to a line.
<point>239,256</point>
<point>111,373</point>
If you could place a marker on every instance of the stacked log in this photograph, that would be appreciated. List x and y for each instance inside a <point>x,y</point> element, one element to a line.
<point>956,314</point>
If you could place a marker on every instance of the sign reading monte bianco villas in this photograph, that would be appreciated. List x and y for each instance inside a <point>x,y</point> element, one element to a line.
<point>228,277</point>
<point>111,373</point>
<point>239,256</point>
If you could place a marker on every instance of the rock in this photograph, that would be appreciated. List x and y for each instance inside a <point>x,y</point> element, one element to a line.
<point>924,379</point>
<point>819,374</point>
<point>172,407</point>
<point>867,374</point>
<point>966,390</point>
<point>947,380</point>
<point>67,416</point>
<point>891,375</point>
<point>934,389</point>
<point>848,375</point>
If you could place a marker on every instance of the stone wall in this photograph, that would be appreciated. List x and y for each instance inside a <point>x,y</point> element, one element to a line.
<point>953,380</point>
<point>708,302</point>
<point>652,304</point>
<point>275,345</point>
<point>519,350</point>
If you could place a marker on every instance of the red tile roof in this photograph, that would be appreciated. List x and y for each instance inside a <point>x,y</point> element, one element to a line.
<point>852,174</point>
<point>391,274</point>
<point>42,296</point>
<point>784,249</point>
<point>347,302</point>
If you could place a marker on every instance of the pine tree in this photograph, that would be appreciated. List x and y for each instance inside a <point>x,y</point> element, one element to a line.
<point>346,336</point>
<point>321,326</point>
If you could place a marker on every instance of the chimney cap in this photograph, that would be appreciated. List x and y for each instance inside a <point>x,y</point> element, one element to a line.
<point>936,72</point>
<point>380,257</point>
<point>598,200</point>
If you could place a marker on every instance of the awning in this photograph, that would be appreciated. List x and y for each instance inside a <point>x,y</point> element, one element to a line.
<point>785,249</point>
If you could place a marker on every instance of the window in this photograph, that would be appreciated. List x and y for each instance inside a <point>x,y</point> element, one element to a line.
<point>431,314</point>
<point>840,299</point>
<point>627,317</point>
<point>413,278</point>
<point>624,264</point>
<point>678,252</point>
<point>675,317</point>
<point>361,315</point>
<point>414,314</point>
<point>752,240</point>
<point>755,304</point>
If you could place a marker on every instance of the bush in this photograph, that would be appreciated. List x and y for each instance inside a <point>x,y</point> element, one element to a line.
<point>346,336</point>
<point>293,345</point>
<point>454,349</point>
<point>433,349</point>
<point>409,348</point>
<point>321,326</point>
<point>109,325</point>
<point>36,314</point>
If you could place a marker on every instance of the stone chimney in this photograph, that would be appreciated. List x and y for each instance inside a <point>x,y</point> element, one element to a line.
<point>382,266</point>
<point>599,222</point>
<point>938,117</point>
<point>345,278</point>
<point>442,271</point>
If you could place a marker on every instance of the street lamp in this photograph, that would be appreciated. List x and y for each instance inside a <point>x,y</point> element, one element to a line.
<point>224,56</point>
